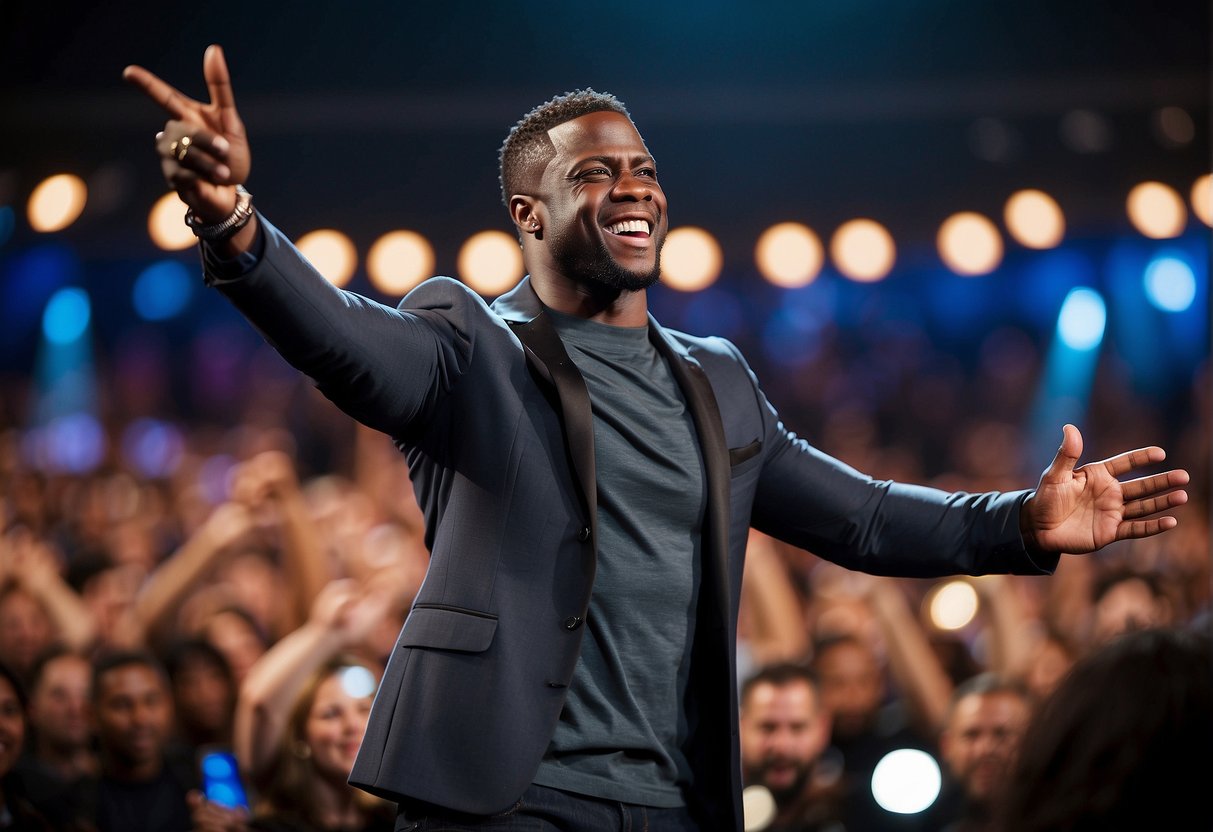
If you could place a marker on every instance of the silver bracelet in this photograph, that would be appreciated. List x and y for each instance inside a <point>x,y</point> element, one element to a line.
<point>225,227</point>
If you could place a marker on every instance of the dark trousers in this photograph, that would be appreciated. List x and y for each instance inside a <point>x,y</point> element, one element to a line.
<point>549,810</point>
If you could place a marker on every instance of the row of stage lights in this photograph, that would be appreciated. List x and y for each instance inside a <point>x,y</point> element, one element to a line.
<point>788,254</point>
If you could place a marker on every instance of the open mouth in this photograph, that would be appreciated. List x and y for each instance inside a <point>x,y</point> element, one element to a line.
<point>636,229</point>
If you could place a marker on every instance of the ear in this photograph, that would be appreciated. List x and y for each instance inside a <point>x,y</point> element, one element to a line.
<point>528,215</point>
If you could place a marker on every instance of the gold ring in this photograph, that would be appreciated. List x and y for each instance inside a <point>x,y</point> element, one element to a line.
<point>180,148</point>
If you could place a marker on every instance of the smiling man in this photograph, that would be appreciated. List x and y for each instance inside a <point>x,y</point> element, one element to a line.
<point>588,479</point>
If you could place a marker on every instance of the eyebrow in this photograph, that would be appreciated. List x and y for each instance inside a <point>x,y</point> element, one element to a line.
<point>611,160</point>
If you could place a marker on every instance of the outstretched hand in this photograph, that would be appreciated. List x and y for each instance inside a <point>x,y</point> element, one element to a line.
<point>203,149</point>
<point>1082,509</point>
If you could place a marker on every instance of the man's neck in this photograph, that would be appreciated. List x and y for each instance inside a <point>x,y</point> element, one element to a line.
<point>617,307</point>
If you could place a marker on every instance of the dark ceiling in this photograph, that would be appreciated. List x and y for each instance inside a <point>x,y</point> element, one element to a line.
<point>373,115</point>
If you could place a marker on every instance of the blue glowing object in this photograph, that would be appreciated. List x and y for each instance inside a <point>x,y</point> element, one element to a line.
<point>75,443</point>
<point>66,316</point>
<point>162,290</point>
<point>1170,284</point>
<point>1082,319</point>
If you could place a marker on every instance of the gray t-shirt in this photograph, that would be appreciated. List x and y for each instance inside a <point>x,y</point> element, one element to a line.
<point>621,733</point>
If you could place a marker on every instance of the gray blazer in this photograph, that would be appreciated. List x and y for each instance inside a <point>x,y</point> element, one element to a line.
<point>496,424</point>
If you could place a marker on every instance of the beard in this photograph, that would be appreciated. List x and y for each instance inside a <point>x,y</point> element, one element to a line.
<point>595,265</point>
<point>783,794</point>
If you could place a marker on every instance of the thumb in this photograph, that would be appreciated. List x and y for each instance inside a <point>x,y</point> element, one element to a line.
<point>1067,456</point>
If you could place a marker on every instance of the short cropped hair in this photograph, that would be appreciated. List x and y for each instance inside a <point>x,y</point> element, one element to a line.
<point>988,684</point>
<point>779,675</point>
<point>108,662</point>
<point>527,143</point>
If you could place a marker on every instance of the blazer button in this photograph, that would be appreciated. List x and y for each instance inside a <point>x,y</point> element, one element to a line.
<point>584,534</point>
<point>572,622</point>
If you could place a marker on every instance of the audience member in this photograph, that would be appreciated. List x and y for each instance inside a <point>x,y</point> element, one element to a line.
<point>17,814</point>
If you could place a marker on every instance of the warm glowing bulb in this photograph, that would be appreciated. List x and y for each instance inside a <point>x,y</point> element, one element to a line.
<point>1202,199</point>
<point>1034,219</point>
<point>490,262</point>
<point>398,261</point>
<point>953,605</point>
<point>690,259</point>
<point>863,250</point>
<point>331,253</point>
<point>166,224</point>
<point>789,255</point>
<point>1156,210</point>
<point>969,244</point>
<point>57,202</point>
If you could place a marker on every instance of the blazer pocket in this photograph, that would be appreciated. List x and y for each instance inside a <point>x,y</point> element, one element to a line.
<point>448,628</point>
<point>740,455</point>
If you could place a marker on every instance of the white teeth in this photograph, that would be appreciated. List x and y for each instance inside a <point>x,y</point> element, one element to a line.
<point>629,225</point>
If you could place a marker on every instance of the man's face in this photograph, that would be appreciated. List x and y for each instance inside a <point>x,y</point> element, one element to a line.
<point>603,213</point>
<point>851,686</point>
<point>981,740</point>
<point>783,732</point>
<point>59,703</point>
<point>133,713</point>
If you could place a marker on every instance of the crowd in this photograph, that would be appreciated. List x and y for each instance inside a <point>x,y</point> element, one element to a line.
<point>147,619</point>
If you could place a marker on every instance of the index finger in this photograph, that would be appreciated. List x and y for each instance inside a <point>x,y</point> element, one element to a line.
<point>1129,460</point>
<point>166,95</point>
<point>218,80</point>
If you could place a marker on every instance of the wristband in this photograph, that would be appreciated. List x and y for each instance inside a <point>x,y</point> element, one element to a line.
<point>226,227</point>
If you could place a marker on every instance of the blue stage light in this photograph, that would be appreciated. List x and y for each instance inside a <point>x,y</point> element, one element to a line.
<point>1170,284</point>
<point>162,290</point>
<point>1083,317</point>
<point>66,316</point>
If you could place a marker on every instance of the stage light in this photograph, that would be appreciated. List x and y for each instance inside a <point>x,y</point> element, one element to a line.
<point>490,262</point>
<point>863,250</point>
<point>1202,199</point>
<point>166,224</point>
<point>789,255</point>
<point>1034,219</point>
<point>757,808</point>
<point>331,253</point>
<point>162,290</point>
<point>1086,131</point>
<point>57,202</point>
<point>398,261</point>
<point>951,606</point>
<point>1156,210</point>
<point>357,682</point>
<point>1083,317</point>
<point>969,244</point>
<point>1173,127</point>
<point>906,781</point>
<point>690,259</point>
<point>74,443</point>
<point>153,448</point>
<point>1170,284</point>
<point>66,316</point>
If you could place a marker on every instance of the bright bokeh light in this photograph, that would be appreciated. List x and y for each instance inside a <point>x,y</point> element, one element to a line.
<point>331,252</point>
<point>1202,199</point>
<point>906,781</point>
<point>166,224</point>
<point>1082,319</point>
<point>398,261</point>
<point>358,682</point>
<point>66,316</point>
<point>789,255</point>
<point>690,259</point>
<point>863,250</point>
<point>57,202</point>
<point>162,290</point>
<point>1156,210</point>
<point>153,448</point>
<point>490,262</point>
<point>1170,284</point>
<point>969,244</point>
<point>952,605</point>
<point>757,807</point>
<point>1034,219</point>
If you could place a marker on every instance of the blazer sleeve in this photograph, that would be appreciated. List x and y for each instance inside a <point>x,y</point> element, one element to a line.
<point>387,367</point>
<point>816,502</point>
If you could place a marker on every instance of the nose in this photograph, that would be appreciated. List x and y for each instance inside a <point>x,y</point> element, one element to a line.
<point>629,188</point>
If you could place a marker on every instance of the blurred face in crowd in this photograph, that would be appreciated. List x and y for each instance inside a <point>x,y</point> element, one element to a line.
<point>25,629</point>
<point>851,686</point>
<point>1127,606</point>
<point>981,740</point>
<point>336,722</point>
<point>12,727</point>
<point>783,732</point>
<point>204,695</point>
<point>59,703</point>
<point>133,715</point>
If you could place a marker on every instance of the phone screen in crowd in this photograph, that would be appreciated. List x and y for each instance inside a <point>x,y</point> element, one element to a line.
<point>221,779</point>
